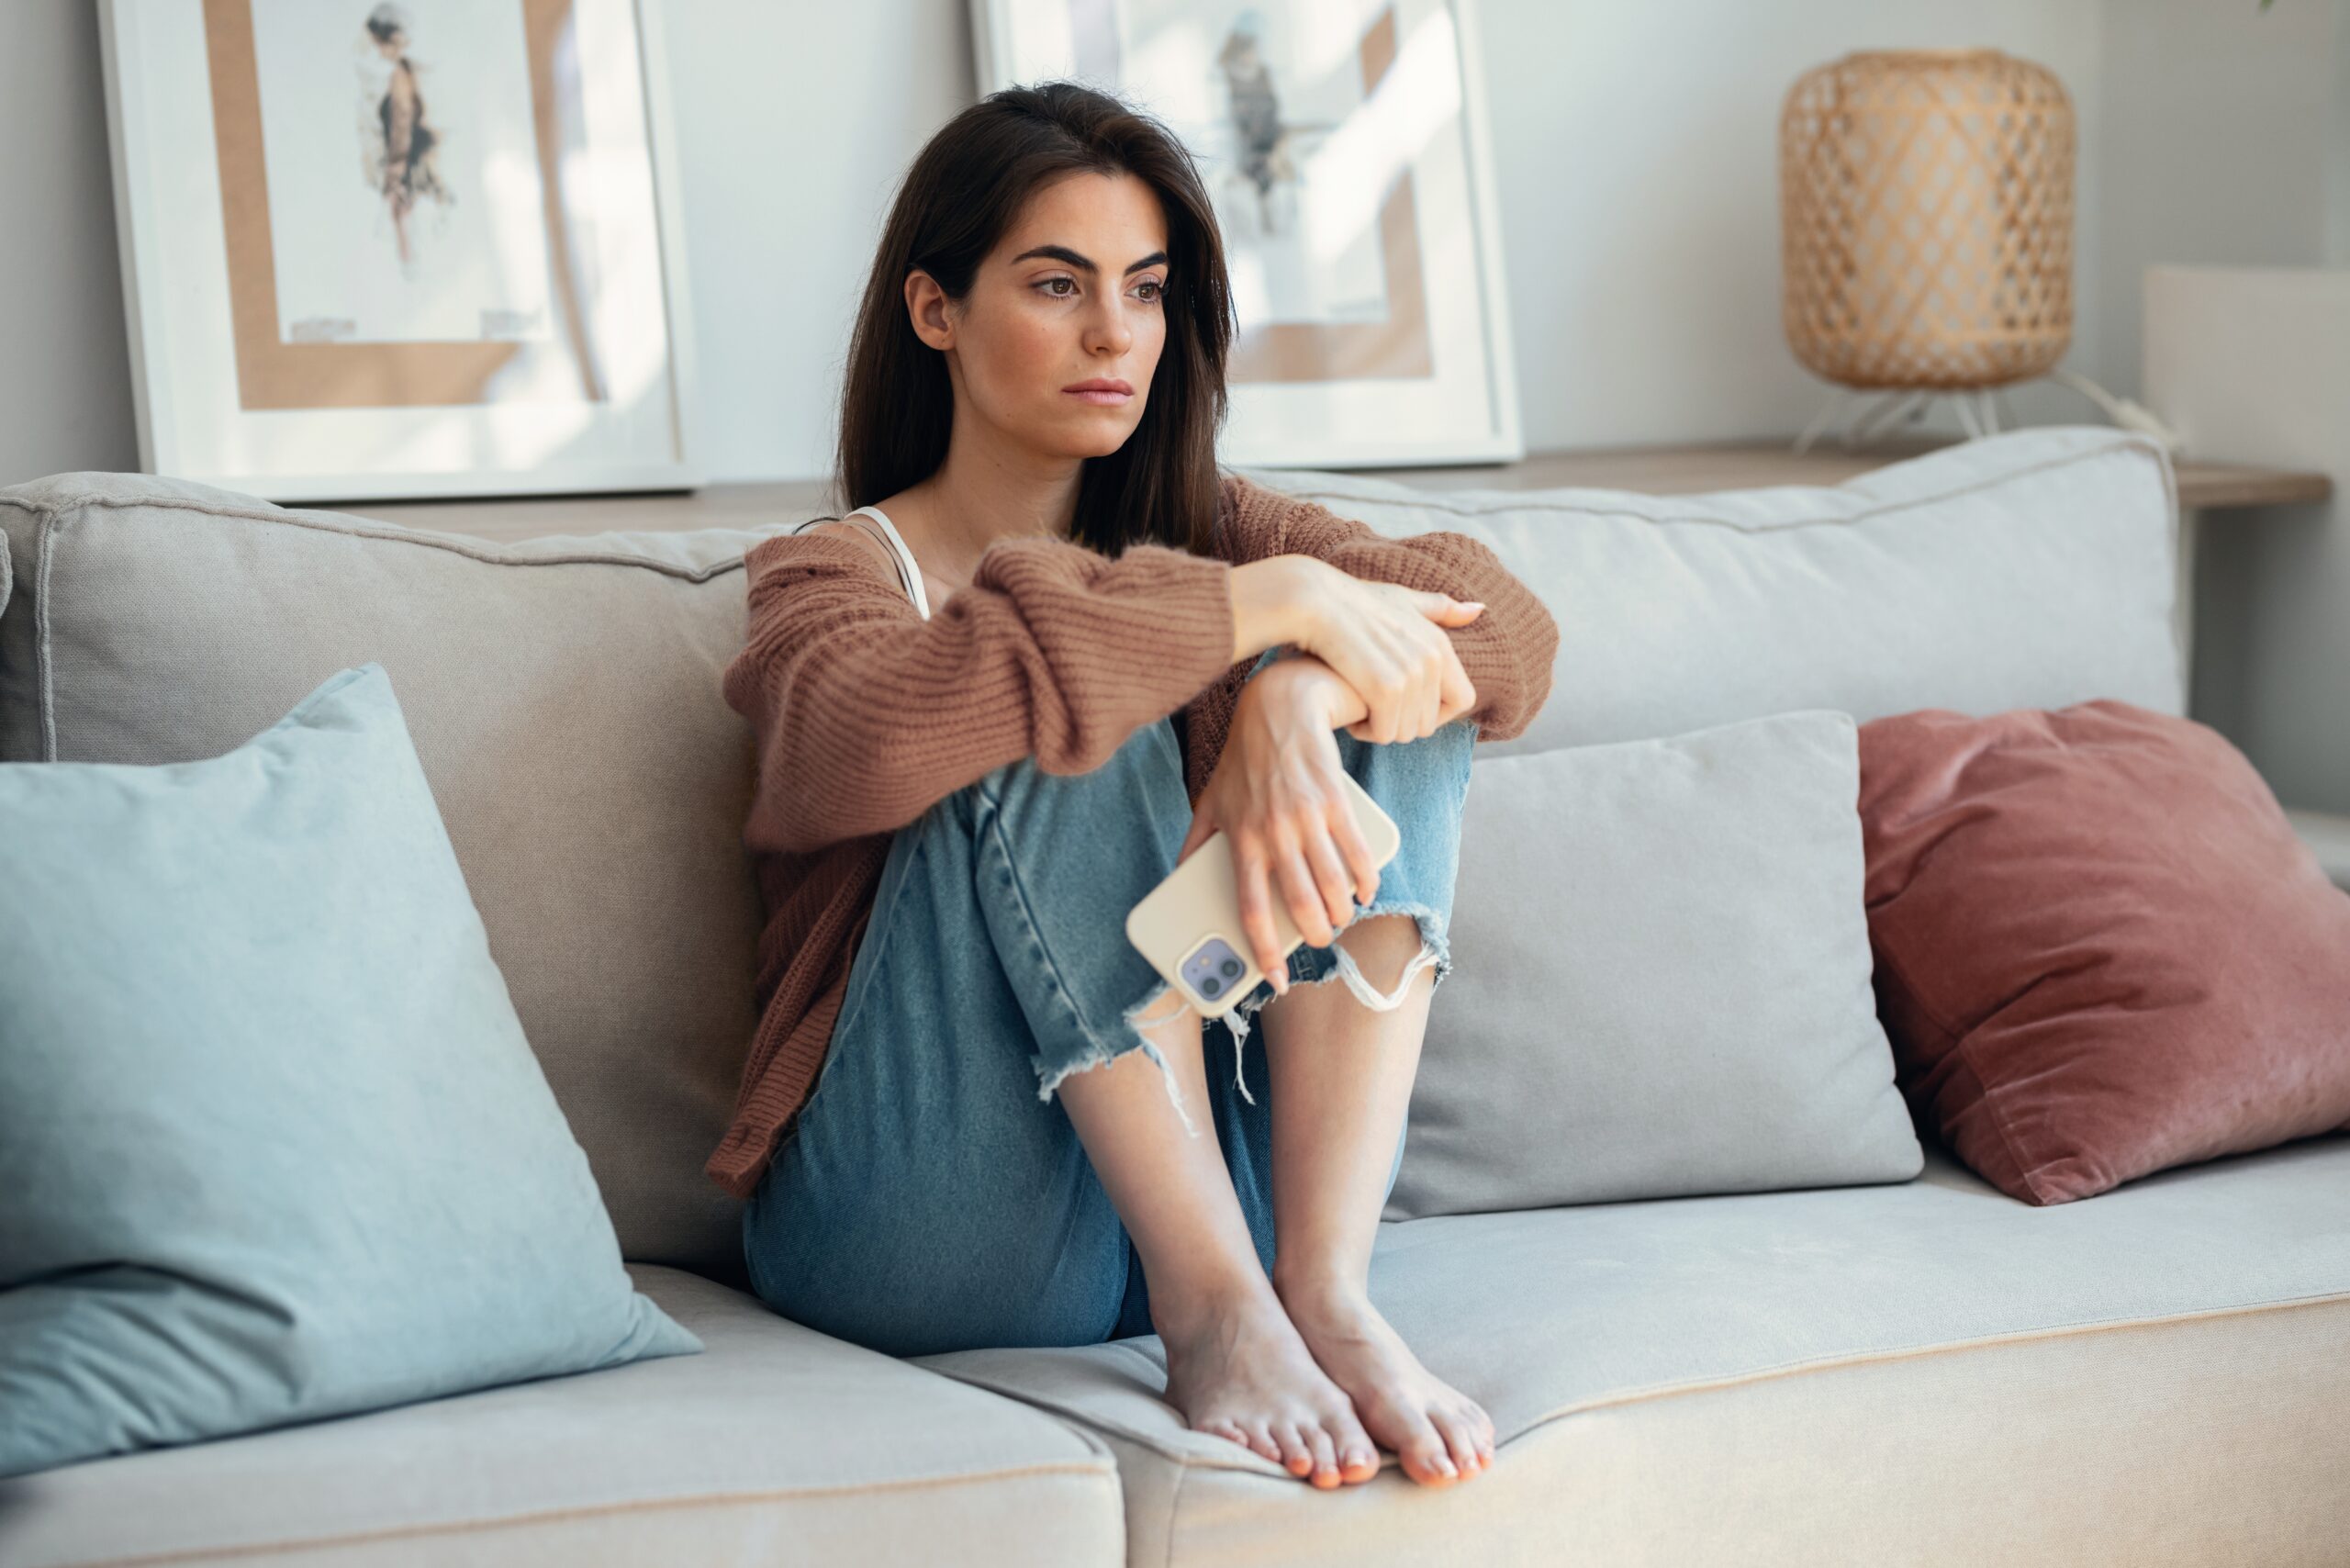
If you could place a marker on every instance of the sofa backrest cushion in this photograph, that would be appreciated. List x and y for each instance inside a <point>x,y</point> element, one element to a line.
<point>563,694</point>
<point>2029,569</point>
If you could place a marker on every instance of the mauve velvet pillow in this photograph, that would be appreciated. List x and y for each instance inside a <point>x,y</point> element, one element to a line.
<point>2101,950</point>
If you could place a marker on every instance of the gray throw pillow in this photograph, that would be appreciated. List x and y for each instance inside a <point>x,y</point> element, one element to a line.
<point>1660,981</point>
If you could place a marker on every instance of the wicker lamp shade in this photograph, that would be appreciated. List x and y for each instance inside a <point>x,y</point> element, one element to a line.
<point>1926,219</point>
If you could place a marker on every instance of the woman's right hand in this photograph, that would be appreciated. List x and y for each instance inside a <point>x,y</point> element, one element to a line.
<point>1388,642</point>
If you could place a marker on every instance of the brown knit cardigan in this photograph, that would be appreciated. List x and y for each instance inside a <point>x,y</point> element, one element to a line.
<point>865,714</point>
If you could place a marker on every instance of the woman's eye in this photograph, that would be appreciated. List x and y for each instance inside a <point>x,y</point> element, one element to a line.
<point>1050,286</point>
<point>1155,288</point>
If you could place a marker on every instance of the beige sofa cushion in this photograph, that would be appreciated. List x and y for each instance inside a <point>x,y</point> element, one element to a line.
<point>1929,1373</point>
<point>2027,569</point>
<point>563,697</point>
<point>777,1444</point>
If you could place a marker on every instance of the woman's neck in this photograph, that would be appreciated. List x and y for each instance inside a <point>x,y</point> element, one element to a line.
<point>987,490</point>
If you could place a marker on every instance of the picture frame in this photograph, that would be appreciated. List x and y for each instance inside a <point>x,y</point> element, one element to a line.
<point>1346,147</point>
<point>397,250</point>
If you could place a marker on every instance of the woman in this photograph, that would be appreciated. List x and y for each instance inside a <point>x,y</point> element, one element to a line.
<point>1067,651</point>
<point>408,168</point>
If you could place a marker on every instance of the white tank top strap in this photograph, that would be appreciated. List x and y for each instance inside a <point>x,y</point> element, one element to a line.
<point>909,574</point>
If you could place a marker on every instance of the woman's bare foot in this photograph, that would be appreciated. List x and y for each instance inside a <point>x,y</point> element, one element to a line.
<point>1441,1434</point>
<point>1236,1367</point>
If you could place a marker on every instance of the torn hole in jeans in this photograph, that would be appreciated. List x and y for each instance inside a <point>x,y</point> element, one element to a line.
<point>1137,1018</point>
<point>1435,949</point>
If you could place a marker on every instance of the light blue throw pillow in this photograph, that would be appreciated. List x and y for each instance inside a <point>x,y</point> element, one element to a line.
<point>273,1146</point>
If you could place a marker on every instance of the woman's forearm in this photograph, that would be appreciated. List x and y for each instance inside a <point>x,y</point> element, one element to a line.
<point>1341,704</point>
<point>1272,603</point>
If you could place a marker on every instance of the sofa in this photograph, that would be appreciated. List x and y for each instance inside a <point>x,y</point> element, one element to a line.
<point>1921,1371</point>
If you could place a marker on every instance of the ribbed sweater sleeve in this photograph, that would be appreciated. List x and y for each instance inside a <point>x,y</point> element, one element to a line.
<point>1508,652</point>
<point>865,713</point>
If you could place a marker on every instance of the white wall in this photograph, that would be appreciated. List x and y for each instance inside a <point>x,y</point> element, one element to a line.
<point>64,357</point>
<point>1637,167</point>
<point>1637,144</point>
<point>2228,137</point>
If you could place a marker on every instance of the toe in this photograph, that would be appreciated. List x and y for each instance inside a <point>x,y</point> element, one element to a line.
<point>1460,1441</point>
<point>1358,1455</point>
<point>1326,1458</point>
<point>1484,1424</point>
<point>1295,1453</point>
<point>1222,1427</point>
<point>1260,1438</point>
<point>1425,1457</point>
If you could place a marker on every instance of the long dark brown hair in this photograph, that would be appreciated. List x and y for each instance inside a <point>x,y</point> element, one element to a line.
<point>956,201</point>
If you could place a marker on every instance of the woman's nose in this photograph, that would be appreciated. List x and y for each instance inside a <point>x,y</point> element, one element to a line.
<point>1110,328</point>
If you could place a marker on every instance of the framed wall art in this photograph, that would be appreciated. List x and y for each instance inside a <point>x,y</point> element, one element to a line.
<point>1345,145</point>
<point>391,250</point>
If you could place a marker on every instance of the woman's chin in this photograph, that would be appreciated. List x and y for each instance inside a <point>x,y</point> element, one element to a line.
<point>1088,438</point>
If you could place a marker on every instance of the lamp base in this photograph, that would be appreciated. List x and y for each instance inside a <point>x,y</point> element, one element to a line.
<point>1978,414</point>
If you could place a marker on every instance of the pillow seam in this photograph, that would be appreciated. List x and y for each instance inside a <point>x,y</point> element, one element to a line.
<point>487,554</point>
<point>2060,461</point>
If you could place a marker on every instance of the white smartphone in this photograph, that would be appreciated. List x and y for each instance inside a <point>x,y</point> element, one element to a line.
<point>1189,925</point>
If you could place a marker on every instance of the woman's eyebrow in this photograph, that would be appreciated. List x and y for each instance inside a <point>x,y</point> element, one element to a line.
<point>1083,264</point>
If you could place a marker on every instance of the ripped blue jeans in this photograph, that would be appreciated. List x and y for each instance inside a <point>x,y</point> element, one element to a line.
<point>931,1194</point>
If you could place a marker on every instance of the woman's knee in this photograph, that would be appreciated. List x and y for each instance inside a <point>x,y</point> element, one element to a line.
<point>1140,781</point>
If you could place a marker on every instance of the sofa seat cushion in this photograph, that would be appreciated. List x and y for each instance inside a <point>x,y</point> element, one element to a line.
<point>1922,1373</point>
<point>777,1444</point>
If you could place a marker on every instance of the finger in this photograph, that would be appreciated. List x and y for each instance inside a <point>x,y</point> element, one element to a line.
<point>1257,913</point>
<point>1434,604</point>
<point>1393,692</point>
<point>1427,688</point>
<point>1459,695</point>
<point>1375,683</point>
<point>1302,897</point>
<point>1429,692</point>
<point>1198,835</point>
<point>1355,850</point>
<point>1333,881</point>
<point>1448,610</point>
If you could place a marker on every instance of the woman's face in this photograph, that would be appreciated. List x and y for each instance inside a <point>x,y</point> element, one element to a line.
<point>1071,296</point>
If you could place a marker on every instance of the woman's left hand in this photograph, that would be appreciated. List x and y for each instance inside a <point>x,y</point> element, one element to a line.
<point>1279,796</point>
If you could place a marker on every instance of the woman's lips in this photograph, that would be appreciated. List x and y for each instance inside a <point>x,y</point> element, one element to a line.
<point>1099,393</point>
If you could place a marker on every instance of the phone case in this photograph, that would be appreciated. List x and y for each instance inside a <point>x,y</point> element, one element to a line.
<point>1189,925</point>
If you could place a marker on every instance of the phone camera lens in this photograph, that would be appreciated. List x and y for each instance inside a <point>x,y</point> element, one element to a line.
<point>1212,985</point>
<point>1231,966</point>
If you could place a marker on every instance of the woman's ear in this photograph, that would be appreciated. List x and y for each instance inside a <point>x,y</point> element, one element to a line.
<point>926,305</point>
